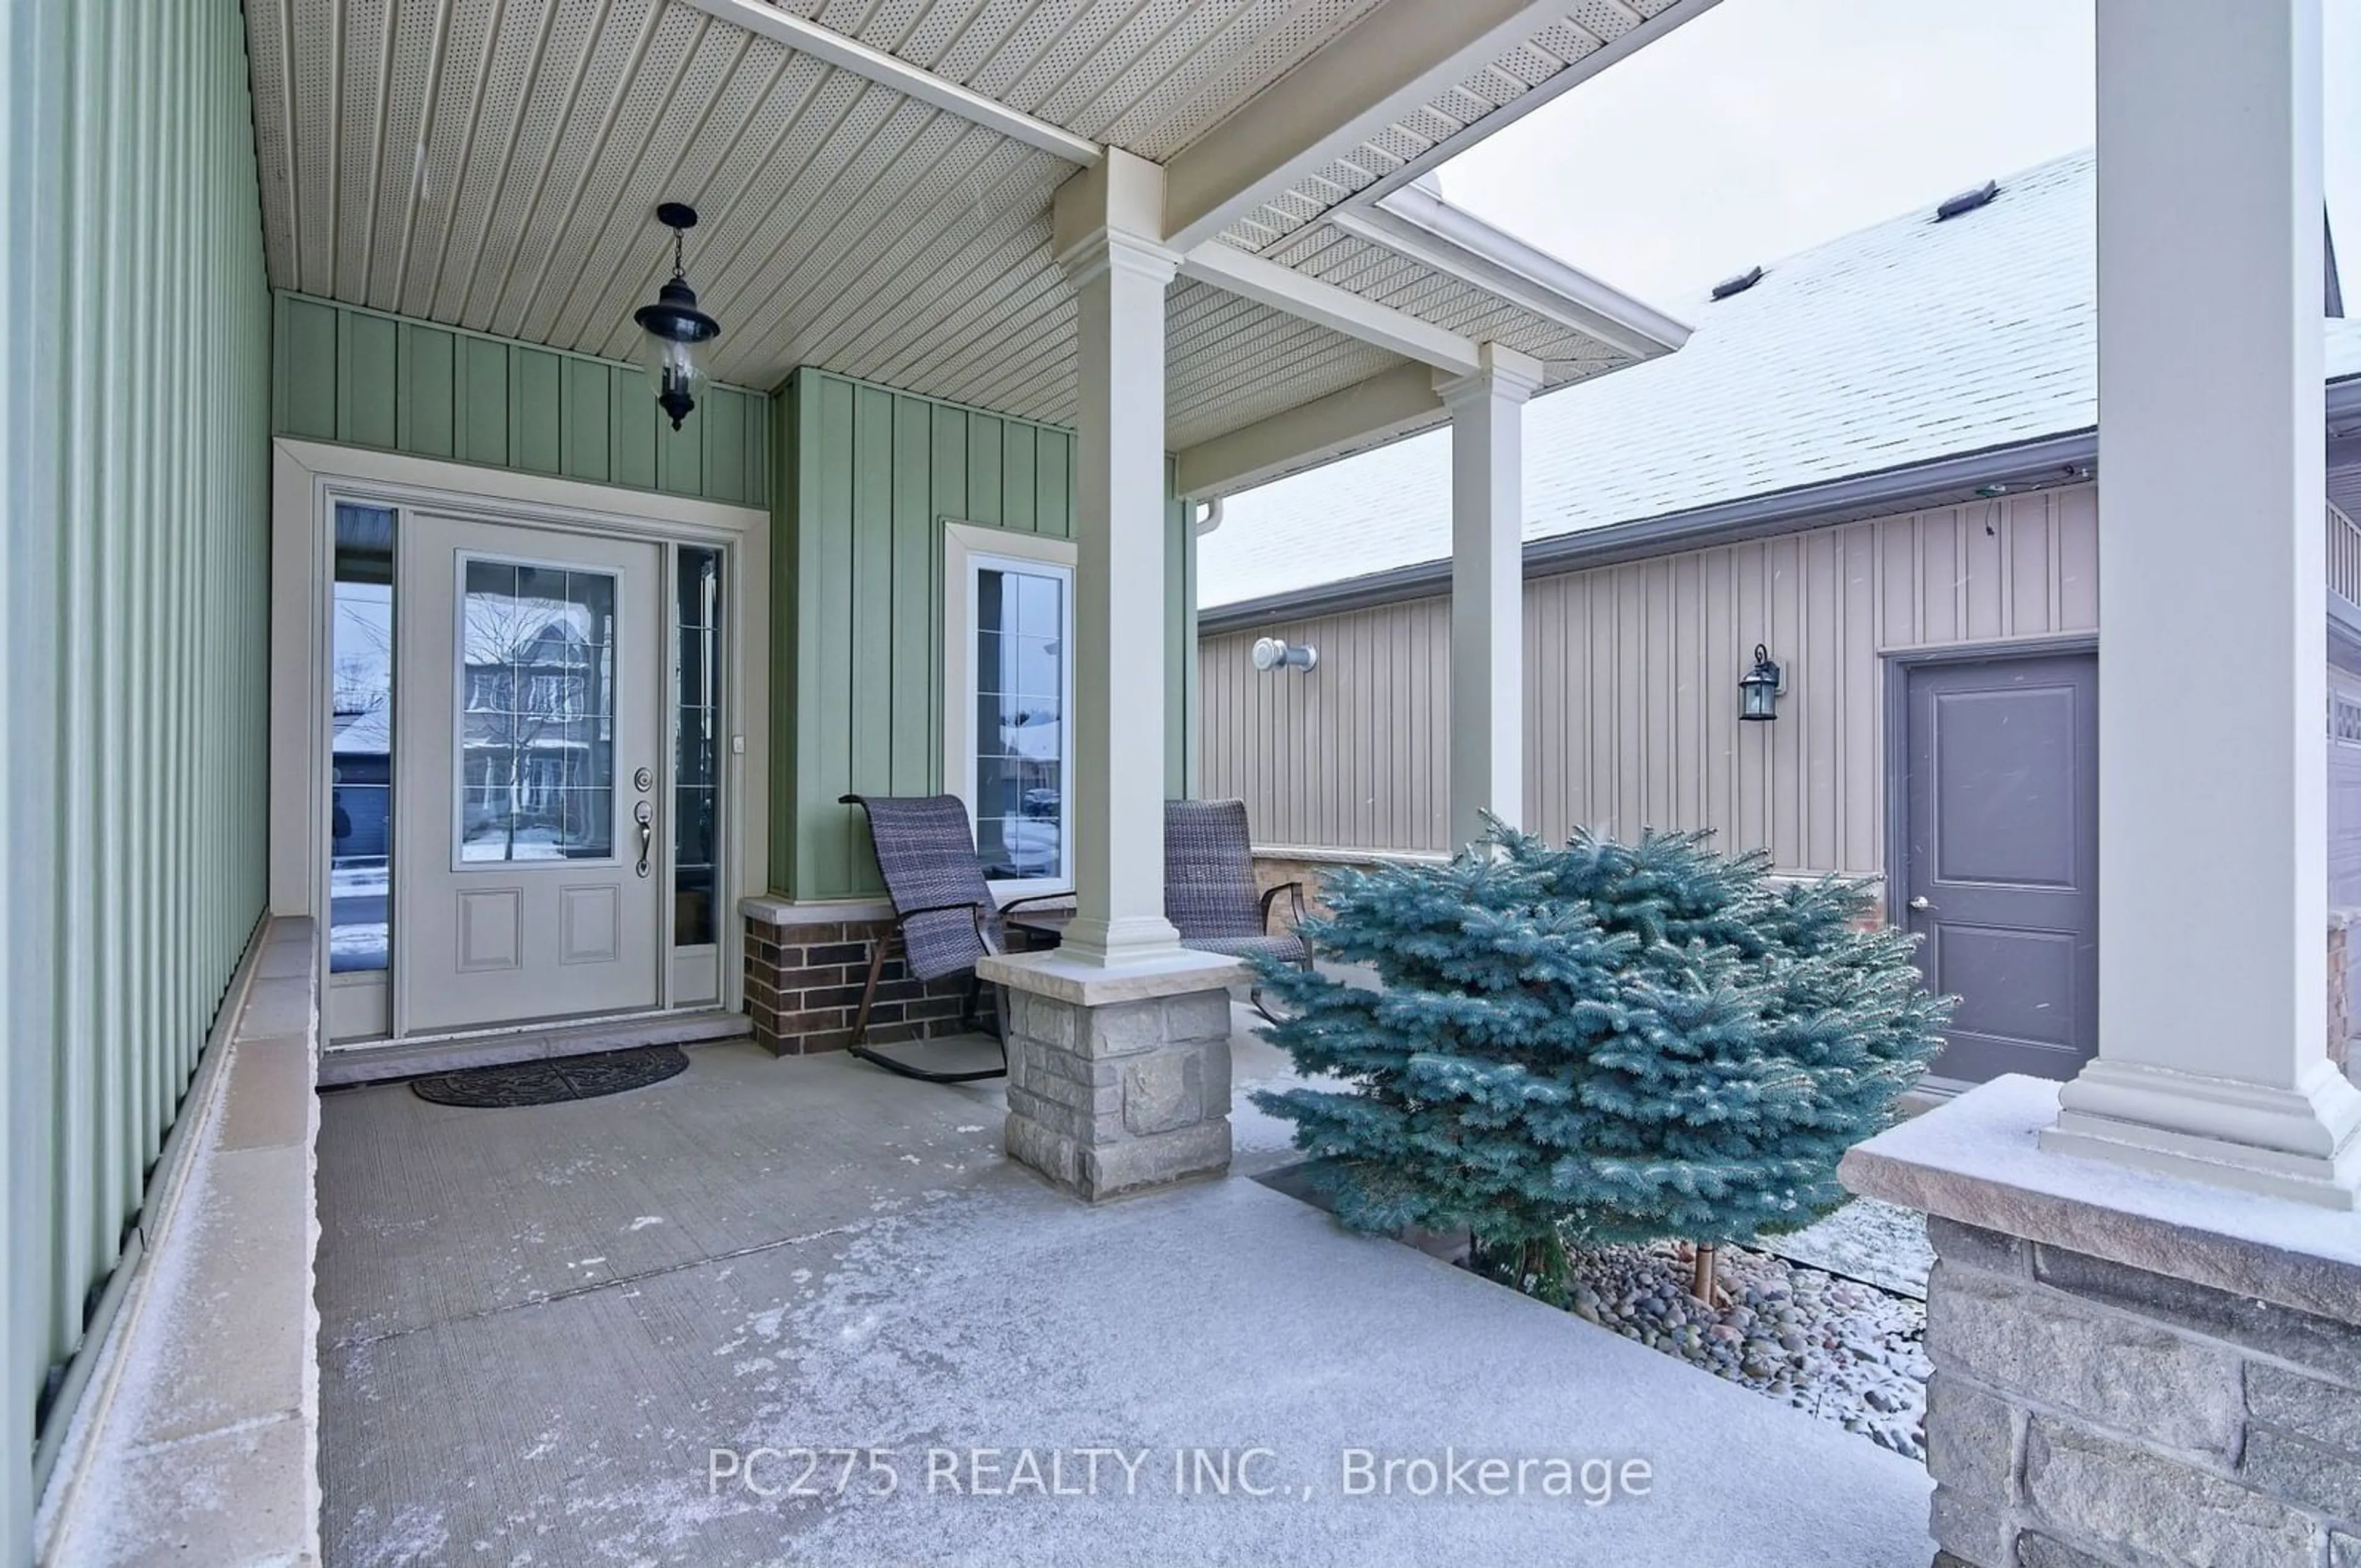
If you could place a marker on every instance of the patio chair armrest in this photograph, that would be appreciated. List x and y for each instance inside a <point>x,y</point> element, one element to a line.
<point>903,916</point>
<point>1294,890</point>
<point>1034,898</point>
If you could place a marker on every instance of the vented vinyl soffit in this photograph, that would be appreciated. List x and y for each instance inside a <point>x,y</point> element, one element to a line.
<point>877,178</point>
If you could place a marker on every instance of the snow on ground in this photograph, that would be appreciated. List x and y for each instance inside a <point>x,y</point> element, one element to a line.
<point>1883,1244</point>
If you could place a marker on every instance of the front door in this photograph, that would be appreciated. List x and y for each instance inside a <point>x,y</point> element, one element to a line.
<point>530,772</point>
<point>2000,851</point>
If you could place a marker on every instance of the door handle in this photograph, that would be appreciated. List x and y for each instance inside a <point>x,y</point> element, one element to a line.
<point>1919,905</point>
<point>646,815</point>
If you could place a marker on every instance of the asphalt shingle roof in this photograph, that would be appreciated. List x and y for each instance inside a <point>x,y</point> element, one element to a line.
<point>1906,341</point>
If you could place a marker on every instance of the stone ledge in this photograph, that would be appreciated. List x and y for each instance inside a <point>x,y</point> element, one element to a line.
<point>1977,1159</point>
<point>197,1437</point>
<point>772,911</point>
<point>1063,979</point>
<point>1324,855</point>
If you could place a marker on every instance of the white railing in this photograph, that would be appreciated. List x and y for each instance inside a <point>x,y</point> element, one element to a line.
<point>2344,555</point>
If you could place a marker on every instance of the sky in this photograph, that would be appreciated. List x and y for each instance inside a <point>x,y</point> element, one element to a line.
<point>1766,126</point>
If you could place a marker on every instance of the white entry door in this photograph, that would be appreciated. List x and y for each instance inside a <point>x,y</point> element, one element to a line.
<point>530,778</point>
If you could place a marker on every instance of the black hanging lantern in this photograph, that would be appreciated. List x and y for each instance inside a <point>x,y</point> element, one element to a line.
<point>675,326</point>
<point>1758,688</point>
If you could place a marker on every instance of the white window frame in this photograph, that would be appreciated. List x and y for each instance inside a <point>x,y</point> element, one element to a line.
<point>969,548</point>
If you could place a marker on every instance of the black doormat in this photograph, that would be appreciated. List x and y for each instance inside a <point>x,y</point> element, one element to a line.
<point>553,1079</point>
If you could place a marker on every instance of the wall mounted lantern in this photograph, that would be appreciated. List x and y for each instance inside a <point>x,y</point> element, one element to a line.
<point>1759,688</point>
<point>674,325</point>
<point>1270,654</point>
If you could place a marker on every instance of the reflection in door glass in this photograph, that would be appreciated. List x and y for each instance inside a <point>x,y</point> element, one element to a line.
<point>697,737</point>
<point>361,740</point>
<point>536,714</point>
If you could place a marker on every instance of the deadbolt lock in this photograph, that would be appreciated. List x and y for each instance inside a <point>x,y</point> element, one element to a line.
<point>644,780</point>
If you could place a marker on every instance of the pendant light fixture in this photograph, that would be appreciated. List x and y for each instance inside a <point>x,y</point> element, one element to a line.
<point>676,327</point>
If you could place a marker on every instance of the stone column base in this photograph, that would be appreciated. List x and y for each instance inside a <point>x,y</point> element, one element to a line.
<point>1118,1078</point>
<point>2130,1369</point>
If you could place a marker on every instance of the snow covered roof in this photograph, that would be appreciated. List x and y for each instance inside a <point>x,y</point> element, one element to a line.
<point>1906,341</point>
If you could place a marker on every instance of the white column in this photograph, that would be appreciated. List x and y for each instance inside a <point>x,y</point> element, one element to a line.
<point>1107,221</point>
<point>2212,850</point>
<point>1488,589</point>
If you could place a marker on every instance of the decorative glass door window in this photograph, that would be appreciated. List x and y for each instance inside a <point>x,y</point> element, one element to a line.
<point>360,744</point>
<point>1022,615</point>
<point>536,713</point>
<point>696,739</point>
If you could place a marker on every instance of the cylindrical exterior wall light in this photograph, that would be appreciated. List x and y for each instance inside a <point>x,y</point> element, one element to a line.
<point>1270,654</point>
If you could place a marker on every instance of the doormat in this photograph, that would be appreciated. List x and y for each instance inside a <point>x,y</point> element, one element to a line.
<point>554,1080</point>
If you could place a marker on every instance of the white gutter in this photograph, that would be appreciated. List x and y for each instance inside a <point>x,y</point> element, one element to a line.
<point>1422,225</point>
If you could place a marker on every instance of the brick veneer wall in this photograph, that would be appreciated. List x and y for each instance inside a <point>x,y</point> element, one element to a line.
<point>802,988</point>
<point>2084,1414</point>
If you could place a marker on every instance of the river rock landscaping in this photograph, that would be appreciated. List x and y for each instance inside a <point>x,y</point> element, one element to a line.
<point>1844,1350</point>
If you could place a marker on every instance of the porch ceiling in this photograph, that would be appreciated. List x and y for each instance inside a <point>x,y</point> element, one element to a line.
<point>492,164</point>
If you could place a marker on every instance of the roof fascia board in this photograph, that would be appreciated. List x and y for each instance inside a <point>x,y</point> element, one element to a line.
<point>1893,491</point>
<point>1382,68</point>
<point>851,54</point>
<point>1388,406</point>
<point>1856,496</point>
<point>1509,113</point>
<point>1340,310</point>
<point>1429,229</point>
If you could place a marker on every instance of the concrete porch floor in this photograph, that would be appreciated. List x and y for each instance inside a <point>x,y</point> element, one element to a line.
<point>537,1324</point>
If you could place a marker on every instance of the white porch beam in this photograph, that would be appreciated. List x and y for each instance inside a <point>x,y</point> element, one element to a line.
<point>1240,273</point>
<point>1426,228</point>
<point>891,71</point>
<point>1389,404</point>
<point>2212,871</point>
<point>1488,589</point>
<point>1104,227</point>
<point>1381,69</point>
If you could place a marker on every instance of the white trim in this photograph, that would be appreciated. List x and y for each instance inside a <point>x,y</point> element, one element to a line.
<point>967,545</point>
<point>851,54</point>
<point>1420,224</point>
<point>309,478</point>
<point>1647,32</point>
<point>1310,298</point>
<point>1383,69</point>
<point>1388,406</point>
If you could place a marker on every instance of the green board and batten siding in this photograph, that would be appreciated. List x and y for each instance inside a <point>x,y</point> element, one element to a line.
<point>360,377</point>
<point>134,695</point>
<point>867,477</point>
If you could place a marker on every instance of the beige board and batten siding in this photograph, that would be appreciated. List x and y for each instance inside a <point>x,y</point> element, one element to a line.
<point>1632,686</point>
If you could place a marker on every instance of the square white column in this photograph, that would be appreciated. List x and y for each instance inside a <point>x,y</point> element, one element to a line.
<point>1488,589</point>
<point>2212,879</point>
<point>1107,221</point>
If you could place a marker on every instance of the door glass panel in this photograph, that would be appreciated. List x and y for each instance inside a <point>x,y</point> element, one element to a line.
<point>361,741</point>
<point>696,747</point>
<point>536,713</point>
<point>1021,637</point>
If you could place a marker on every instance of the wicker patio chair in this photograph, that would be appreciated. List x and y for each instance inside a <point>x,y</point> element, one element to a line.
<point>1209,887</point>
<point>944,915</point>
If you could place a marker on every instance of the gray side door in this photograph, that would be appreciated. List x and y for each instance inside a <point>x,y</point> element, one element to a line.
<point>2000,858</point>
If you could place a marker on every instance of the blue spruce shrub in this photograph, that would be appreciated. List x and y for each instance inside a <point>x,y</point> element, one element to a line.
<point>1603,1043</point>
